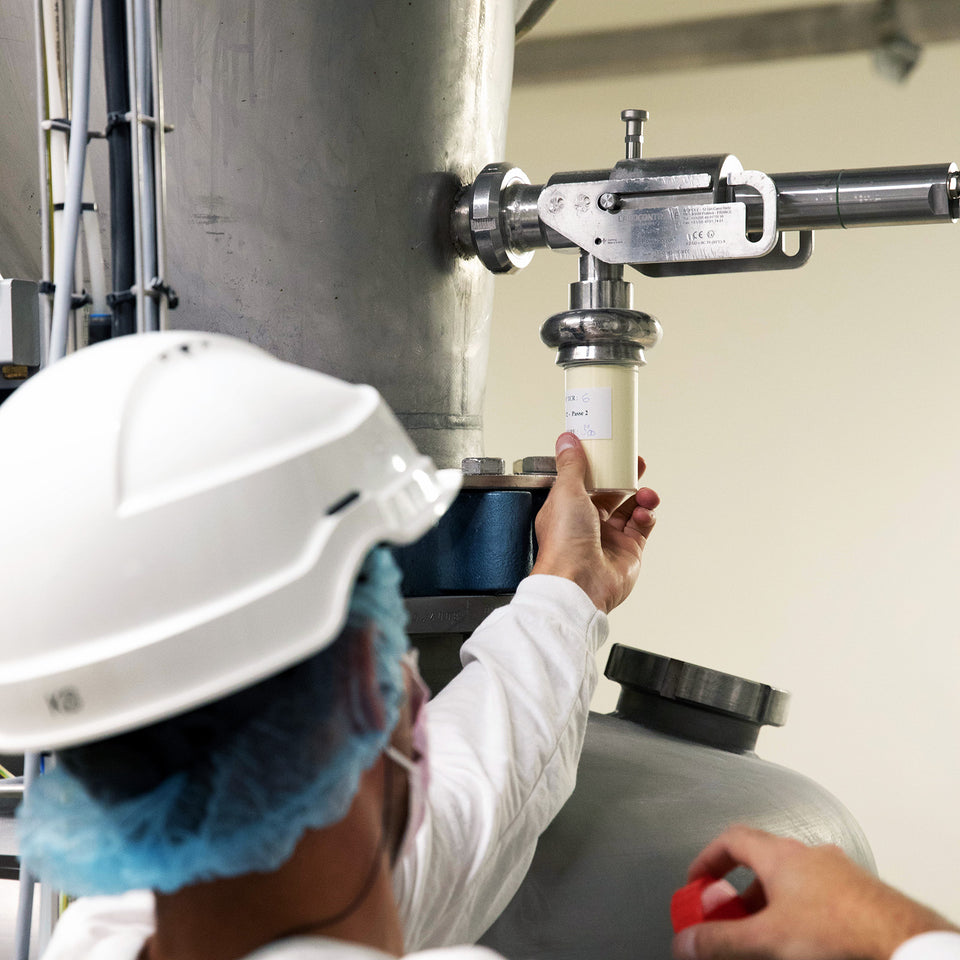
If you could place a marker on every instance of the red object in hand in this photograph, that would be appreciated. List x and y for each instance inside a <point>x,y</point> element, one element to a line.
<point>686,906</point>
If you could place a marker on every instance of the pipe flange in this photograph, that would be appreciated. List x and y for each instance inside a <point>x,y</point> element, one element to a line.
<point>486,228</point>
<point>701,687</point>
<point>604,335</point>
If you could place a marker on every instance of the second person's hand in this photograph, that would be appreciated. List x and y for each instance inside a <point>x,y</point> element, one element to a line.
<point>809,903</point>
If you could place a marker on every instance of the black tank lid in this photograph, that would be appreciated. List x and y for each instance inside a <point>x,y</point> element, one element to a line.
<point>697,703</point>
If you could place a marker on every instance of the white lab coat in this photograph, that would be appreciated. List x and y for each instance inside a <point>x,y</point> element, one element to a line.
<point>939,945</point>
<point>505,739</point>
<point>926,946</point>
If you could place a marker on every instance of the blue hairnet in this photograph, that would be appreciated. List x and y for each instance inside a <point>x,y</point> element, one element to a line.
<point>295,765</point>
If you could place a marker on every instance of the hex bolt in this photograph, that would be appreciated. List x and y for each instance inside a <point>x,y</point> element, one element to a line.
<point>953,185</point>
<point>535,466</point>
<point>483,466</point>
<point>634,119</point>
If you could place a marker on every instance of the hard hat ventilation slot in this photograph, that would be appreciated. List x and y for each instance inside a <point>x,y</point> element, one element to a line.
<point>343,502</point>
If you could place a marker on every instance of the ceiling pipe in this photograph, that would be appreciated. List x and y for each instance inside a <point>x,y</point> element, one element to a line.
<point>890,28</point>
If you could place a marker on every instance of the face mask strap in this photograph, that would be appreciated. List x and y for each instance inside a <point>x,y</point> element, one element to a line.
<point>400,759</point>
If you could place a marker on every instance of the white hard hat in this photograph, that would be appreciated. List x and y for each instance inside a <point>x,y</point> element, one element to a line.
<point>183,515</point>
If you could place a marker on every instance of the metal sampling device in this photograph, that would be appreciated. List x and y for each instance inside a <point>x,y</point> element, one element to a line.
<point>665,217</point>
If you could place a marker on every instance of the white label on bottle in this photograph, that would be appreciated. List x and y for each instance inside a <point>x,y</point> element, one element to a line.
<point>589,413</point>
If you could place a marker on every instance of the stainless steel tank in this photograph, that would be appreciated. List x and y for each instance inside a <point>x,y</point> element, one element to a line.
<point>19,164</point>
<point>317,150</point>
<point>657,781</point>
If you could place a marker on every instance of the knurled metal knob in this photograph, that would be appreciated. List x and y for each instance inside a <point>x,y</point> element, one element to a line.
<point>486,227</point>
<point>634,119</point>
<point>724,693</point>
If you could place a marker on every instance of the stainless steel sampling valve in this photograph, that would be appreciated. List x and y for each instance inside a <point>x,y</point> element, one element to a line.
<point>673,216</point>
<point>677,216</point>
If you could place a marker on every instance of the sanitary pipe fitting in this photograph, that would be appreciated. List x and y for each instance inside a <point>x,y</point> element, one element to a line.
<point>478,223</point>
<point>609,335</point>
<point>601,285</point>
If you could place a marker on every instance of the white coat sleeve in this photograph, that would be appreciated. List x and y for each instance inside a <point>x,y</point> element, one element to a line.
<point>937,945</point>
<point>103,928</point>
<point>504,741</point>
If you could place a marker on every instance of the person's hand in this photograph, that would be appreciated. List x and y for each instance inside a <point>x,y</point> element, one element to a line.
<point>596,543</point>
<point>809,903</point>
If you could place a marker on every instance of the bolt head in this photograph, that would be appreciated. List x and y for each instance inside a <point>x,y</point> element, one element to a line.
<point>483,466</point>
<point>953,185</point>
<point>535,466</point>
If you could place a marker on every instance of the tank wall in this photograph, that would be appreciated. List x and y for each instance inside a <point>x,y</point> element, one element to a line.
<point>19,164</point>
<point>317,149</point>
<point>645,805</point>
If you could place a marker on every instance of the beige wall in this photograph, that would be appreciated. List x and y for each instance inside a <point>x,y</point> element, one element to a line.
<point>802,428</point>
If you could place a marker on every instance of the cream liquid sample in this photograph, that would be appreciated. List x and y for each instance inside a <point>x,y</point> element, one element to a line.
<point>602,410</point>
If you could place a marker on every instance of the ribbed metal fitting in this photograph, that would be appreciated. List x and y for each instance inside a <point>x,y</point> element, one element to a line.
<point>486,208</point>
<point>724,693</point>
<point>604,335</point>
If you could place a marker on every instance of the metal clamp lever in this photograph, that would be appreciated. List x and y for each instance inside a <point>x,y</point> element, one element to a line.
<point>663,219</point>
<point>776,259</point>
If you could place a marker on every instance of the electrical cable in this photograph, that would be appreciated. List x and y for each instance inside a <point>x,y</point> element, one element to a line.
<point>66,254</point>
<point>136,115</point>
<point>146,134</point>
<point>114,22</point>
<point>21,943</point>
<point>53,35</point>
<point>12,787</point>
<point>96,273</point>
<point>44,180</point>
<point>167,299</point>
<point>313,927</point>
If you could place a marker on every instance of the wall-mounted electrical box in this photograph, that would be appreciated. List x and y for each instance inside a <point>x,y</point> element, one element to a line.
<point>19,332</point>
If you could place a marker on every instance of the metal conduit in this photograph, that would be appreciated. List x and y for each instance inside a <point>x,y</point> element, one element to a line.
<point>883,196</point>
<point>65,262</point>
